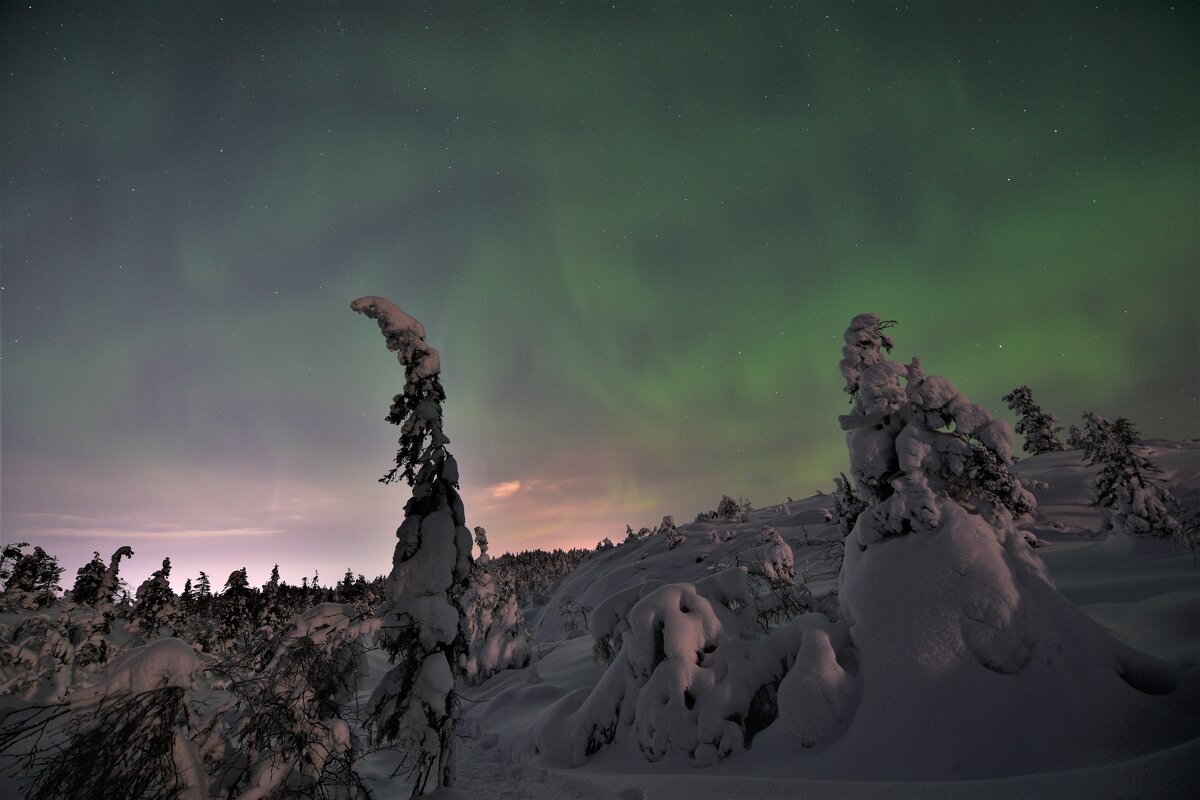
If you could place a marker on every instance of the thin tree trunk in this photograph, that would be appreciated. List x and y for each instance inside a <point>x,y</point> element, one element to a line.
<point>446,758</point>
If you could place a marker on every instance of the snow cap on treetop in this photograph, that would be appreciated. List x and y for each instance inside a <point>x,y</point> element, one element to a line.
<point>405,335</point>
<point>864,340</point>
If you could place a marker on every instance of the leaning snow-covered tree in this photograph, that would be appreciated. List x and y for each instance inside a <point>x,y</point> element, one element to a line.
<point>1039,428</point>
<point>111,582</point>
<point>424,629</point>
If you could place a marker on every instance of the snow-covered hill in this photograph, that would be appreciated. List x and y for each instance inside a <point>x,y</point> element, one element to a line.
<point>1123,726</point>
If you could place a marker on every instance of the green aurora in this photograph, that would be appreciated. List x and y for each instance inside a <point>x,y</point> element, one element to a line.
<point>636,235</point>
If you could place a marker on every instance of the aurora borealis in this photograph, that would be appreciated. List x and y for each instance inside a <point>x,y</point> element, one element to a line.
<point>635,234</point>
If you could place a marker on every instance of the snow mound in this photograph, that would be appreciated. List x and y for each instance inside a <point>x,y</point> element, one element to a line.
<point>159,665</point>
<point>695,678</point>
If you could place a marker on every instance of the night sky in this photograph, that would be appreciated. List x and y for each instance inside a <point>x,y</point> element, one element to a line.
<point>635,234</point>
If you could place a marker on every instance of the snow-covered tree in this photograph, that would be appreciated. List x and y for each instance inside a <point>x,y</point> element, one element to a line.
<point>203,586</point>
<point>33,581</point>
<point>283,732</point>
<point>729,509</point>
<point>498,639</point>
<point>778,562</point>
<point>1125,487</point>
<point>667,529</point>
<point>424,628</point>
<point>155,602</point>
<point>233,607</point>
<point>939,588</point>
<point>1039,428</point>
<point>88,579</point>
<point>847,505</point>
<point>913,437</point>
<point>111,584</point>
<point>1076,438</point>
<point>575,616</point>
<point>10,554</point>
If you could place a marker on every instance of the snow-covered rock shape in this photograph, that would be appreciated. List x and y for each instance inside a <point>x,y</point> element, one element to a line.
<point>424,628</point>
<point>964,648</point>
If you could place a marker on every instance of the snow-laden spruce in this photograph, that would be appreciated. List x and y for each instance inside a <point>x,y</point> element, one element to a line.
<point>424,628</point>
<point>1133,502</point>
<point>156,604</point>
<point>1039,428</point>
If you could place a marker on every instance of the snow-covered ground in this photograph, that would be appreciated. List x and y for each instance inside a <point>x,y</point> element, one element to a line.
<point>945,666</point>
<point>1145,594</point>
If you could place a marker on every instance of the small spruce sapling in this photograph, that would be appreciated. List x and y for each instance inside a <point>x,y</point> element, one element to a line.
<point>1125,487</point>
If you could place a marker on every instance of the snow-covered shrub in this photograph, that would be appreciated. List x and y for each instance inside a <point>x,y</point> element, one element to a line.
<point>127,736</point>
<point>37,659</point>
<point>729,509</point>
<point>424,629</point>
<point>777,598</point>
<point>633,537</point>
<point>778,561</point>
<point>693,677</point>
<point>575,616</point>
<point>500,640</point>
<point>1132,500</point>
<point>610,619</point>
<point>283,730</point>
<point>1187,512</point>
<point>668,530</point>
